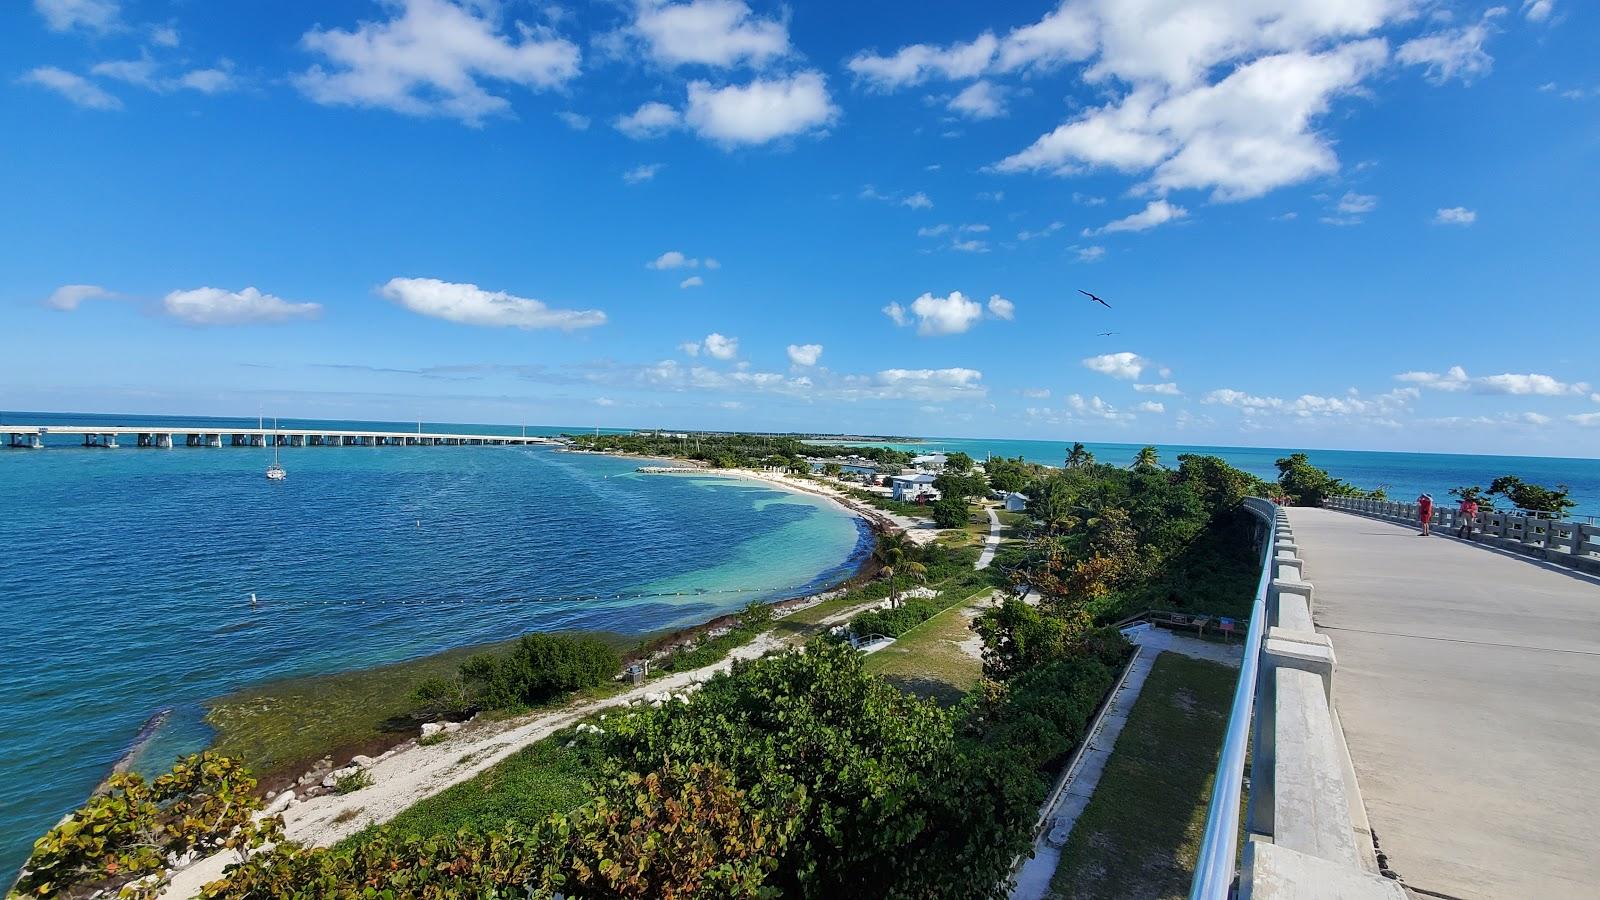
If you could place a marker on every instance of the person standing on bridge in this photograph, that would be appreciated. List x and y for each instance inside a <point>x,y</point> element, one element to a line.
<point>1425,512</point>
<point>1467,513</point>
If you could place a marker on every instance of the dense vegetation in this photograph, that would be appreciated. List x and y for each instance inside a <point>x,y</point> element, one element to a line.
<point>1523,495</point>
<point>748,451</point>
<point>533,670</point>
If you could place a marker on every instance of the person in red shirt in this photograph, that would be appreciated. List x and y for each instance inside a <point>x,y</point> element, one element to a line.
<point>1467,513</point>
<point>1425,512</point>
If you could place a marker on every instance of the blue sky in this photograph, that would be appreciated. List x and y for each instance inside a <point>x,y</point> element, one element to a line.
<point>1322,223</point>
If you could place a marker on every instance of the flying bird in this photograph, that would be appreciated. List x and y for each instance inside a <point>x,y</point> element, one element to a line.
<point>1094,298</point>
<point>1109,333</point>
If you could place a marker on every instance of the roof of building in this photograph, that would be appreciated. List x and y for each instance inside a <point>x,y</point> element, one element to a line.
<point>919,478</point>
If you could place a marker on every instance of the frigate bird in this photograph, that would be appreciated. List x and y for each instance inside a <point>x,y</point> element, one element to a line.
<point>1094,298</point>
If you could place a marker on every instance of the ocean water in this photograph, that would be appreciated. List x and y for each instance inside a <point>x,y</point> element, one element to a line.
<point>127,574</point>
<point>1402,475</point>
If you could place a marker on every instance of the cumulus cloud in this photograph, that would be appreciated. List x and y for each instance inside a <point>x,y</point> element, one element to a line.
<point>805,354</point>
<point>69,297</point>
<point>1166,387</point>
<point>1587,420</point>
<point>692,281</point>
<point>1456,379</point>
<point>952,314</point>
<point>575,121</point>
<point>1036,393</point>
<point>468,304</point>
<point>642,173</point>
<point>1046,231</point>
<point>1455,215</point>
<point>933,230</point>
<point>1151,406</point>
<point>650,120</point>
<point>761,111</point>
<point>980,100</point>
<point>719,33</point>
<point>718,346</point>
<point>77,89</point>
<point>1453,53</point>
<point>146,73</point>
<point>1125,365</point>
<point>1156,212</point>
<point>1351,209</point>
<point>1091,254</point>
<point>215,306</point>
<point>970,246</point>
<point>432,58</point>
<point>90,15</point>
<point>919,200</point>
<point>918,62</point>
<point>673,259</point>
<point>1095,408</point>
<point>1001,308</point>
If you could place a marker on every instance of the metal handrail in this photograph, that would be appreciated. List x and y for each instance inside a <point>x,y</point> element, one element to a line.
<point>1214,868</point>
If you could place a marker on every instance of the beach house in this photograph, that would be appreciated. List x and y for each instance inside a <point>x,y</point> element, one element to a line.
<point>913,488</point>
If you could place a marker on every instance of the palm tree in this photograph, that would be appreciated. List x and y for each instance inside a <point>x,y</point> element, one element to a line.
<point>1079,456</point>
<point>1146,460</point>
<point>897,562</point>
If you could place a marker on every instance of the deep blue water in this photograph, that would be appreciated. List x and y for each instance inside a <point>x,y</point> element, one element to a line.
<point>1403,475</point>
<point>127,574</point>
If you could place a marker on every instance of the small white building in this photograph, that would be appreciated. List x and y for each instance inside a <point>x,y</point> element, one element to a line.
<point>929,462</point>
<point>1016,502</point>
<point>912,488</point>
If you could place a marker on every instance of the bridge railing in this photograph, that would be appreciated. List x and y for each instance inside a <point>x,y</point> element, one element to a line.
<point>1567,542</point>
<point>1305,828</point>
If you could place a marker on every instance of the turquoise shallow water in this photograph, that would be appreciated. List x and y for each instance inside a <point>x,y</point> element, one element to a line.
<point>127,574</point>
<point>1403,475</point>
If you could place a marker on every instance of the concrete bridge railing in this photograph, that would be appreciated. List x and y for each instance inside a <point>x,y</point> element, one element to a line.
<point>1562,541</point>
<point>1305,826</point>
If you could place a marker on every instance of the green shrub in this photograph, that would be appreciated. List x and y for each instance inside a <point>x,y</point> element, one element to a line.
<point>355,781</point>
<point>435,697</point>
<point>951,512</point>
<point>538,668</point>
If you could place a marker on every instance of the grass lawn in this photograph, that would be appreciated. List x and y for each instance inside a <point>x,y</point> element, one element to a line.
<point>929,661</point>
<point>1141,832</point>
<point>540,779</point>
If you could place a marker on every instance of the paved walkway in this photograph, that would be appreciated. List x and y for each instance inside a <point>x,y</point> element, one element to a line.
<point>1468,684</point>
<point>991,543</point>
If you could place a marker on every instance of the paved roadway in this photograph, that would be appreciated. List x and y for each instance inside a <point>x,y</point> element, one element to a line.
<point>1468,684</point>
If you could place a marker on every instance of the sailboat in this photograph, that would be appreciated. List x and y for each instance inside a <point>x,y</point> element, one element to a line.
<point>275,472</point>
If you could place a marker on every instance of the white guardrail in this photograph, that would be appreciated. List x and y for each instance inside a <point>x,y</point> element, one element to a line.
<point>1562,541</point>
<point>1305,831</point>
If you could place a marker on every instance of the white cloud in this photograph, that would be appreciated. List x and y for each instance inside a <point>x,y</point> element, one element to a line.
<point>93,15</point>
<point>1351,209</point>
<point>1454,53</point>
<point>690,348</point>
<point>918,62</point>
<point>970,246</point>
<point>692,281</point>
<point>642,173</point>
<point>1046,231</point>
<point>975,228</point>
<point>1125,365</point>
<point>1036,393</point>
<point>1587,420</point>
<point>1001,308</point>
<point>1537,10</point>
<point>1455,215</point>
<point>1249,133</point>
<point>575,121</point>
<point>81,91</point>
<point>805,354</point>
<point>919,200</point>
<point>712,263</point>
<point>215,306</point>
<point>650,120</point>
<point>164,36</point>
<point>673,259</point>
<point>1090,254</point>
<point>1242,400</point>
<point>719,33</point>
<point>1457,379</point>
<point>145,72</point>
<point>69,296</point>
<point>431,60</point>
<point>1151,406</point>
<point>1095,408</point>
<point>719,347</point>
<point>980,100</point>
<point>1156,212</point>
<point>1166,387</point>
<point>938,315</point>
<point>932,230</point>
<point>604,401</point>
<point>468,304</point>
<point>207,81</point>
<point>761,111</point>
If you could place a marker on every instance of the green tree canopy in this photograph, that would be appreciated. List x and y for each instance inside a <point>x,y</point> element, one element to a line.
<point>1532,497</point>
